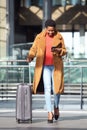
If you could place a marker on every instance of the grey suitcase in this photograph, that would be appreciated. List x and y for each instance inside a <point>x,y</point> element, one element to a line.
<point>24,103</point>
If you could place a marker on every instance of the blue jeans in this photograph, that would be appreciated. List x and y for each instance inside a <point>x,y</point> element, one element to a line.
<point>49,86</point>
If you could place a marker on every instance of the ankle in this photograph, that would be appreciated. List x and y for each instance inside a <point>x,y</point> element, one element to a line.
<point>56,113</point>
<point>56,110</point>
<point>50,115</point>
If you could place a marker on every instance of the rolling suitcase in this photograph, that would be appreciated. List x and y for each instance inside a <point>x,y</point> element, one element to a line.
<point>24,103</point>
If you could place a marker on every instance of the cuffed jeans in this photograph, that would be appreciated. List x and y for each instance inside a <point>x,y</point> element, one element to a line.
<point>48,86</point>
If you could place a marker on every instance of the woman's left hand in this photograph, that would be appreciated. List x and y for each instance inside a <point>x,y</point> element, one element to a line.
<point>58,50</point>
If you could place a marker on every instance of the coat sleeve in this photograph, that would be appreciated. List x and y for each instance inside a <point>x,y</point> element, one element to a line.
<point>33,49</point>
<point>62,50</point>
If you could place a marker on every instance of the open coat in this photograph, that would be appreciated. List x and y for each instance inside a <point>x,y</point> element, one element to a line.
<point>38,50</point>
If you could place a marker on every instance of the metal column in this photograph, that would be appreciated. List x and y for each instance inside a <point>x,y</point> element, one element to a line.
<point>82,40</point>
<point>47,10</point>
<point>11,26</point>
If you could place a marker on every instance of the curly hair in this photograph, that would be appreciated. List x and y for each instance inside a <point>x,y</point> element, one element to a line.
<point>50,22</point>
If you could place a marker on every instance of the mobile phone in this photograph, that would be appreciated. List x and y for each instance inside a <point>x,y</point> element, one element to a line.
<point>58,46</point>
<point>53,48</point>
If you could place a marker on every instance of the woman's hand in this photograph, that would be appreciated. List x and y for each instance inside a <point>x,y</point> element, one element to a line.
<point>58,50</point>
<point>29,59</point>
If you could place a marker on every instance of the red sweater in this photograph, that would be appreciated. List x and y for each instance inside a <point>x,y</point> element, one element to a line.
<point>48,59</point>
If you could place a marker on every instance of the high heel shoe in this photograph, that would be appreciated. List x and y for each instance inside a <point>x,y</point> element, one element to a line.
<point>50,117</point>
<point>56,113</point>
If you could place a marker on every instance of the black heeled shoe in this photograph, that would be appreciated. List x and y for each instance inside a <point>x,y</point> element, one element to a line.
<point>56,113</point>
<point>50,117</point>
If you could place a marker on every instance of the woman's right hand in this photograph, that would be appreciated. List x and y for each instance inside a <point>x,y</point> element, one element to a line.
<point>29,59</point>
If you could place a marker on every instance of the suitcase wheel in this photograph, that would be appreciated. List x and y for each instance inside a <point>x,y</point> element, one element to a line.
<point>30,121</point>
<point>24,121</point>
<point>18,120</point>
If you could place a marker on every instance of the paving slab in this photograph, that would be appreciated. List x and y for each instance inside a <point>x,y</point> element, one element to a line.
<point>69,120</point>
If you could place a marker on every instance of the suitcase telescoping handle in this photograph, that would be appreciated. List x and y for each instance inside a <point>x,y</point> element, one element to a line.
<point>30,64</point>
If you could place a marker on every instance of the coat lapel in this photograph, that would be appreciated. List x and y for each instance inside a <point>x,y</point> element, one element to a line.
<point>42,41</point>
<point>56,40</point>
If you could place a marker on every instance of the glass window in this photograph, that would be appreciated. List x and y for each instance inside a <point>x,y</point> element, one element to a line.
<point>56,2</point>
<point>75,2</point>
<point>83,2</point>
<point>68,41</point>
<point>25,3</point>
<point>37,2</point>
<point>76,42</point>
<point>73,44</point>
<point>68,2</point>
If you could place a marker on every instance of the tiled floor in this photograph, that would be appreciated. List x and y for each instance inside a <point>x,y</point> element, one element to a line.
<point>70,120</point>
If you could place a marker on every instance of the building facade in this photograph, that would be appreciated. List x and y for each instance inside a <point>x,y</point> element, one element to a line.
<point>3,28</point>
<point>21,21</point>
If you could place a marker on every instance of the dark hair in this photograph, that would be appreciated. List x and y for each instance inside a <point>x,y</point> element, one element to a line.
<point>50,22</point>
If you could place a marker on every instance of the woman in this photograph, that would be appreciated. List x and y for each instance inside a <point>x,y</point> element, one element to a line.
<point>48,48</point>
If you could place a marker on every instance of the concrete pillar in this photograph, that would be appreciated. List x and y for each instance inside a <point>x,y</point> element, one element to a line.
<point>47,5</point>
<point>3,29</point>
<point>6,27</point>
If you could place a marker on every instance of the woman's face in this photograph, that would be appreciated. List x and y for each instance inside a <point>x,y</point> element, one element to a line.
<point>50,31</point>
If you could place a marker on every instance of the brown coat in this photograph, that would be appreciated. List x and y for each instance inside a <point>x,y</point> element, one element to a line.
<point>38,50</point>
